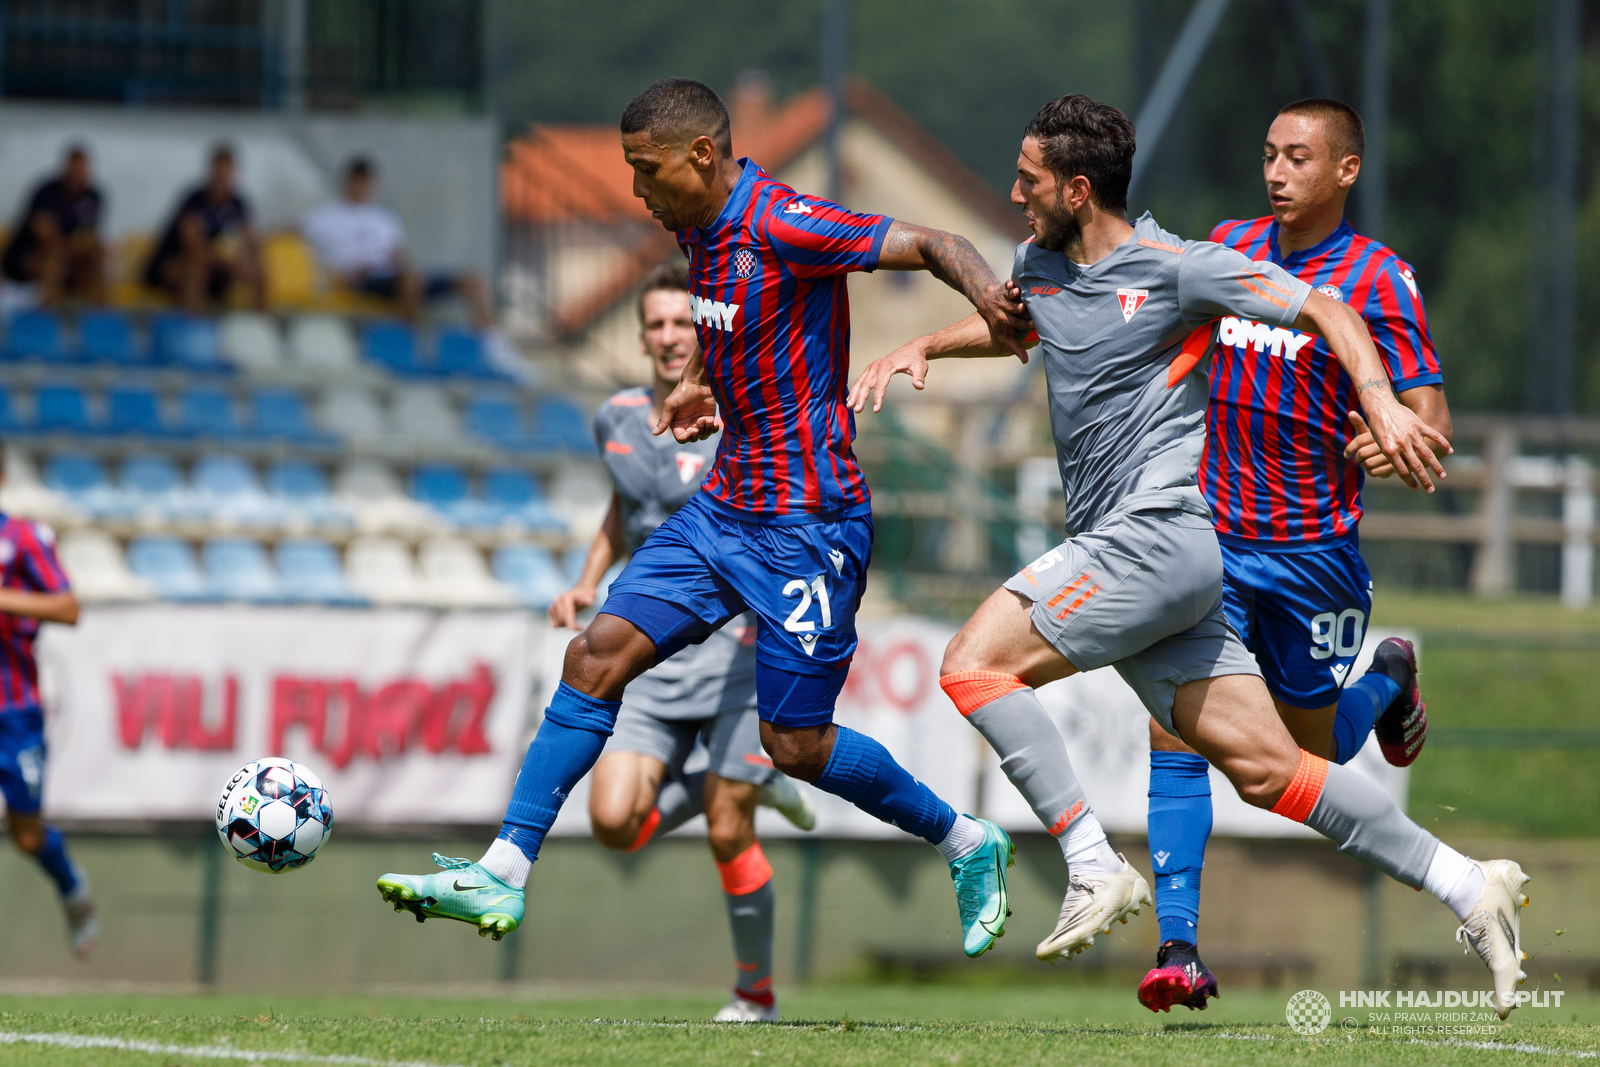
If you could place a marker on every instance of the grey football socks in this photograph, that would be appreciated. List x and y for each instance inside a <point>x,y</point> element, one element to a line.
<point>1033,755</point>
<point>750,919</point>
<point>680,800</point>
<point>1359,818</point>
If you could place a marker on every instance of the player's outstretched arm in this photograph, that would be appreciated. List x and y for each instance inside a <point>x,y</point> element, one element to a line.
<point>969,337</point>
<point>953,260</point>
<point>606,550</point>
<point>690,410</point>
<point>1410,443</point>
<point>1428,401</point>
<point>46,607</point>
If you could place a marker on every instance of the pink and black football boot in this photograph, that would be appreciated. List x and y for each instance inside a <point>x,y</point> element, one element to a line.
<point>1403,726</point>
<point>1177,978</point>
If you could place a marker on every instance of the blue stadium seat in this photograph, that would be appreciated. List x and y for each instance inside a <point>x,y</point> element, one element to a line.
<point>240,570</point>
<point>438,485</point>
<point>133,410</point>
<point>36,335</point>
<point>392,346</point>
<point>282,413</point>
<point>531,573</point>
<point>207,413</point>
<point>459,353</point>
<point>225,476</point>
<point>572,561</point>
<point>227,488</point>
<point>168,565</point>
<point>61,409</point>
<point>495,419</point>
<point>151,476</point>
<point>74,474</point>
<point>8,411</point>
<point>563,424</point>
<point>515,496</point>
<point>311,571</point>
<point>106,337</point>
<point>186,341</point>
<point>302,489</point>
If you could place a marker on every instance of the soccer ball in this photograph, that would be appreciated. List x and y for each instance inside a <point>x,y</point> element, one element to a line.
<point>274,815</point>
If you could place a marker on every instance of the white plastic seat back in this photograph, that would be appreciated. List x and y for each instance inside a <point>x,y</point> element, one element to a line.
<point>367,480</point>
<point>351,411</point>
<point>324,344</point>
<point>93,562</point>
<point>381,568</point>
<point>454,573</point>
<point>251,341</point>
<point>425,414</point>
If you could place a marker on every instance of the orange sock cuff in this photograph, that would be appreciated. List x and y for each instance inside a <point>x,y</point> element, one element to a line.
<point>646,831</point>
<point>971,690</point>
<point>1304,788</point>
<point>746,872</point>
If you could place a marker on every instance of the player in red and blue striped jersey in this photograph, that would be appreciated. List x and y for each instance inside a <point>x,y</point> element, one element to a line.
<point>1286,454</point>
<point>34,589</point>
<point>782,527</point>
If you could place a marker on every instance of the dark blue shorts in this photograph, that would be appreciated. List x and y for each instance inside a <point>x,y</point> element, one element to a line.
<point>22,759</point>
<point>1303,614</point>
<point>702,567</point>
<point>387,286</point>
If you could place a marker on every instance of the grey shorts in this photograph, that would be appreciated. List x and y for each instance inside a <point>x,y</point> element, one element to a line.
<point>732,740</point>
<point>1143,593</point>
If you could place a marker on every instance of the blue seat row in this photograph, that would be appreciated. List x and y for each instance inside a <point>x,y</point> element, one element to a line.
<point>226,487</point>
<point>202,412</point>
<point>175,340</point>
<point>456,353</point>
<point>304,570</point>
<point>557,424</point>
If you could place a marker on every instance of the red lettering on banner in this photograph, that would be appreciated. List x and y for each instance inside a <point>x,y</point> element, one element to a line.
<point>173,708</point>
<point>872,676</point>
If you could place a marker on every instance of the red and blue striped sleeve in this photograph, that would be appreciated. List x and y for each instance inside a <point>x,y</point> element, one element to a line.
<point>36,561</point>
<point>1399,327</point>
<point>818,239</point>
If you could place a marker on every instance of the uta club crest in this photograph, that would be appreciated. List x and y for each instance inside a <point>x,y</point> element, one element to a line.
<point>1131,300</point>
<point>744,263</point>
<point>689,466</point>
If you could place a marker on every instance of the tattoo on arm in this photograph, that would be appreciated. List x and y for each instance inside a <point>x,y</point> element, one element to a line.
<point>947,256</point>
<point>1373,383</point>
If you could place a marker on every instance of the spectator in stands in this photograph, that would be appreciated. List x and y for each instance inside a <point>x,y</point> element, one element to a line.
<point>56,244</point>
<point>209,246</point>
<point>363,245</point>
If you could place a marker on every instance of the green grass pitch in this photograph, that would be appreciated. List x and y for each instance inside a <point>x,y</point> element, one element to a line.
<point>844,1025</point>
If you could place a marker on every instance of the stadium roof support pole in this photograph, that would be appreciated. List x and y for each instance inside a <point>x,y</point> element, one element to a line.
<point>1176,72</point>
<point>210,909</point>
<point>835,61</point>
<point>1560,324</point>
<point>1375,116</point>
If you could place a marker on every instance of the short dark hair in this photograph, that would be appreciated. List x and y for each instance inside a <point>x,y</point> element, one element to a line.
<point>1340,123</point>
<point>1084,136</point>
<point>668,277</point>
<point>677,110</point>
<point>359,167</point>
<point>76,150</point>
<point>222,152</point>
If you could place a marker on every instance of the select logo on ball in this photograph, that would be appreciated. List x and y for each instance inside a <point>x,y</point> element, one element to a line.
<point>274,815</point>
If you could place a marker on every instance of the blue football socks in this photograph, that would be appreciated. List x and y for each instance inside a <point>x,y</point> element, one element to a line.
<point>1179,823</point>
<point>56,863</point>
<point>862,772</point>
<point>569,741</point>
<point>1360,705</point>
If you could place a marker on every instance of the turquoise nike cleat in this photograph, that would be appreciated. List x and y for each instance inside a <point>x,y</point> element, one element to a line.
<point>980,878</point>
<point>463,891</point>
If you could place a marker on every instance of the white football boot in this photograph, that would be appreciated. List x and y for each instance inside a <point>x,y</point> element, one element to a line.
<point>740,1010</point>
<point>1494,929</point>
<point>789,799</point>
<point>1093,902</point>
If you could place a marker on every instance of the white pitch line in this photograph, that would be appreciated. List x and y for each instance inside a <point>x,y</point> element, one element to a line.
<point>1537,1050</point>
<point>203,1052</point>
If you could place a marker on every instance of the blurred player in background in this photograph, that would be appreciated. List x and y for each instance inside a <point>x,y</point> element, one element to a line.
<point>56,243</point>
<point>707,692</point>
<point>1282,472</point>
<point>209,246</point>
<point>34,589</point>
<point>782,526</point>
<point>1125,315</point>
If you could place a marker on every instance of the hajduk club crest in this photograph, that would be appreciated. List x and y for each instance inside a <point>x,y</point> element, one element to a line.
<point>744,263</point>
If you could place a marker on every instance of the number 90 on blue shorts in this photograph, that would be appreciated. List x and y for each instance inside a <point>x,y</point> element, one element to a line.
<point>703,566</point>
<point>1302,613</point>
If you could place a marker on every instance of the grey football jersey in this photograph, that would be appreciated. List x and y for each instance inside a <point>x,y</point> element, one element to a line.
<point>1129,424</point>
<point>655,476</point>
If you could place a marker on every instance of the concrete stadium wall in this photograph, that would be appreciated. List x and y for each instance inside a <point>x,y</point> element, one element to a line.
<point>1277,913</point>
<point>439,175</point>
